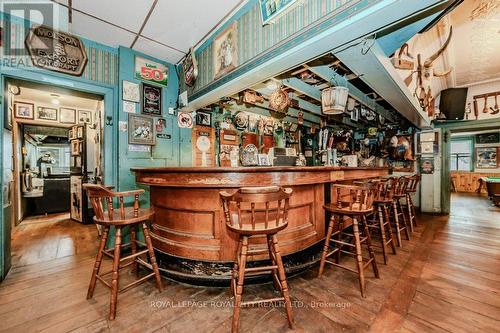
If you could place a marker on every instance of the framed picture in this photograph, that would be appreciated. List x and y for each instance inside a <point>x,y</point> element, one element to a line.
<point>203,118</point>
<point>151,100</point>
<point>131,92</point>
<point>84,117</point>
<point>488,138</point>
<point>225,51</point>
<point>264,159</point>
<point>140,130</point>
<point>46,113</point>
<point>271,9</point>
<point>486,157</point>
<point>67,116</point>
<point>24,110</point>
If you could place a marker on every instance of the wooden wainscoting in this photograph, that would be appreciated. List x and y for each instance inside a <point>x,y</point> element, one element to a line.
<point>466,181</point>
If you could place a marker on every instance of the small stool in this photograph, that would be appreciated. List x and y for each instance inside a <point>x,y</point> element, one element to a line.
<point>411,189</point>
<point>354,202</point>
<point>382,200</point>
<point>257,211</point>
<point>398,186</point>
<point>119,218</point>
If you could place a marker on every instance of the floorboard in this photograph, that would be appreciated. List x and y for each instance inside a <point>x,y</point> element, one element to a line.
<point>445,279</point>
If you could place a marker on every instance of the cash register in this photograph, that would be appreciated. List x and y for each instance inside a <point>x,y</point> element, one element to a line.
<point>282,156</point>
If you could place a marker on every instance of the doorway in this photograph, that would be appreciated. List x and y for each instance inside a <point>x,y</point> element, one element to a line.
<point>56,146</point>
<point>471,164</point>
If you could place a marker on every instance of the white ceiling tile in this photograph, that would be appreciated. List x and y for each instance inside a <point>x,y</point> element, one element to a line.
<point>157,50</point>
<point>99,31</point>
<point>182,24</point>
<point>129,14</point>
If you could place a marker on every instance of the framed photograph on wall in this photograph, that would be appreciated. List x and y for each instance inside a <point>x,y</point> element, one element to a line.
<point>486,157</point>
<point>151,100</point>
<point>46,113</point>
<point>131,92</point>
<point>203,118</point>
<point>84,117</point>
<point>141,130</point>
<point>24,110</point>
<point>225,48</point>
<point>67,116</point>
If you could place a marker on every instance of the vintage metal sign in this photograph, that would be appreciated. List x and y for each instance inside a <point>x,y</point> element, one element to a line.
<point>56,51</point>
<point>151,71</point>
<point>190,67</point>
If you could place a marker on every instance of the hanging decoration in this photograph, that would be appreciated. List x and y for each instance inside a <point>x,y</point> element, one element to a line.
<point>334,100</point>
<point>279,102</point>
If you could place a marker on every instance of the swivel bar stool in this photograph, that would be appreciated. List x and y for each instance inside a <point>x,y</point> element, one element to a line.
<point>257,211</point>
<point>106,215</point>
<point>380,220</point>
<point>411,189</point>
<point>400,222</point>
<point>350,206</point>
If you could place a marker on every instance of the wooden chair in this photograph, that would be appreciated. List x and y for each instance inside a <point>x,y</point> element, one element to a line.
<point>106,215</point>
<point>411,189</point>
<point>382,200</point>
<point>257,211</point>
<point>350,206</point>
<point>400,223</point>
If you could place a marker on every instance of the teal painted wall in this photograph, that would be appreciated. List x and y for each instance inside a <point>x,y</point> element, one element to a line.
<point>106,69</point>
<point>166,152</point>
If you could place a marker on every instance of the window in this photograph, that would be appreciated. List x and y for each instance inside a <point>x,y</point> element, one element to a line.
<point>461,155</point>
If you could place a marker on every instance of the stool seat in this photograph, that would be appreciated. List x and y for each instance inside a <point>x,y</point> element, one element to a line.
<point>260,228</point>
<point>357,209</point>
<point>129,216</point>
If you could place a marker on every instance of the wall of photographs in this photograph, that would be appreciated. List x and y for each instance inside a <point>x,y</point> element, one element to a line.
<point>67,116</point>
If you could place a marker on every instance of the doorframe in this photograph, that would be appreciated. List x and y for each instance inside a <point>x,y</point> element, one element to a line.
<point>447,129</point>
<point>111,111</point>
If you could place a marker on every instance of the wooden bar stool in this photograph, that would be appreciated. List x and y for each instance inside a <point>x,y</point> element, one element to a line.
<point>257,211</point>
<point>411,189</point>
<point>380,220</point>
<point>101,199</point>
<point>350,206</point>
<point>400,222</point>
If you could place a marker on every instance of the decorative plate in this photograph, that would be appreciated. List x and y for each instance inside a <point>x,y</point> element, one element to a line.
<point>249,155</point>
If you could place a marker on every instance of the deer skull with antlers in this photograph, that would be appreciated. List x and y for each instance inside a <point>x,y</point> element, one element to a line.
<point>425,72</point>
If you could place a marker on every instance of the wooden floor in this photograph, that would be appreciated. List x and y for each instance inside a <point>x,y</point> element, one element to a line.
<point>446,279</point>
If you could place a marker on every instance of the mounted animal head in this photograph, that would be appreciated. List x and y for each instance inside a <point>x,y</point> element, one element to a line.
<point>425,72</point>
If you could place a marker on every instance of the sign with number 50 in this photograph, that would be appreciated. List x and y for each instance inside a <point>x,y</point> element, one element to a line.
<point>151,71</point>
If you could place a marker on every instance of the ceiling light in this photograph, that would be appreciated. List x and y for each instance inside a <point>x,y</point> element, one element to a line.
<point>272,85</point>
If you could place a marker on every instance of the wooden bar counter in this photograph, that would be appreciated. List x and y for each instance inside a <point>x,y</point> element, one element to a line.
<point>188,229</point>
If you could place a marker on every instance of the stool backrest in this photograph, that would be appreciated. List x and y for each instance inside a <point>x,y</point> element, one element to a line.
<point>383,190</point>
<point>259,205</point>
<point>101,198</point>
<point>353,197</point>
<point>400,185</point>
<point>413,183</point>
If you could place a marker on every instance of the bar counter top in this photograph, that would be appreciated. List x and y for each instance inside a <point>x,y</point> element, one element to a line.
<point>250,176</point>
<point>188,229</point>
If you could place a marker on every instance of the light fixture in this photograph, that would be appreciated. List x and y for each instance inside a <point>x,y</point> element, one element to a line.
<point>271,85</point>
<point>55,99</point>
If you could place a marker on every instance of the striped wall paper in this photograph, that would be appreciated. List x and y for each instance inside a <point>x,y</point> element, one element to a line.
<point>254,38</point>
<point>102,65</point>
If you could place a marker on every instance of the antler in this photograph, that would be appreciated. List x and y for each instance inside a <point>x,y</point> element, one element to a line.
<point>440,74</point>
<point>430,60</point>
